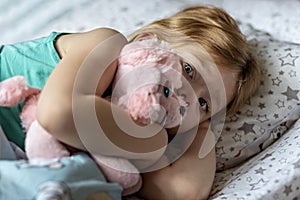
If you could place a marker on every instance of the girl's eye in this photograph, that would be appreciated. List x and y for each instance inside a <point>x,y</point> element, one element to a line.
<point>188,69</point>
<point>203,104</point>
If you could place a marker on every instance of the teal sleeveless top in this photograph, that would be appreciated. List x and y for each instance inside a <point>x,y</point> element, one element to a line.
<point>34,60</point>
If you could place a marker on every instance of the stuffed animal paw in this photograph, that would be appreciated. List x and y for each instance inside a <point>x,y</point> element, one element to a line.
<point>38,141</point>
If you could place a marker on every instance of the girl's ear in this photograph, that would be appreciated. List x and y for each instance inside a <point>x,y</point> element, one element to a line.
<point>144,36</point>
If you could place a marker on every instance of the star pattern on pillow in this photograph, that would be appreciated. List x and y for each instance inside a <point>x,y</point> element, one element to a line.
<point>296,164</point>
<point>261,182</point>
<point>280,104</point>
<point>247,128</point>
<point>237,137</point>
<point>262,118</point>
<point>268,113</point>
<point>288,59</point>
<point>273,173</point>
<point>291,94</point>
<point>276,81</point>
<point>292,73</point>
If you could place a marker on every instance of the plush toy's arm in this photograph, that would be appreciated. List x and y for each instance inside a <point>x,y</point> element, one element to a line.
<point>15,90</point>
<point>120,170</point>
<point>40,144</point>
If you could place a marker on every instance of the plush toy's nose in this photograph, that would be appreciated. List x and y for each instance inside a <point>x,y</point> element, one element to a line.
<point>182,110</point>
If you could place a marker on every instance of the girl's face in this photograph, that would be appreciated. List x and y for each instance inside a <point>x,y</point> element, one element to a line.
<point>207,89</point>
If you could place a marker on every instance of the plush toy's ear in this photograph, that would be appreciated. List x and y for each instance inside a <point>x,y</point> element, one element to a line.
<point>15,90</point>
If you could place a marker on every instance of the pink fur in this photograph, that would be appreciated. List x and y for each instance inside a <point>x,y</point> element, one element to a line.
<point>28,114</point>
<point>40,144</point>
<point>161,68</point>
<point>15,90</point>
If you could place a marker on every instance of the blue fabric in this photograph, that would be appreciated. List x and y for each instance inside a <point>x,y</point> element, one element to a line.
<point>8,150</point>
<point>34,59</point>
<point>76,177</point>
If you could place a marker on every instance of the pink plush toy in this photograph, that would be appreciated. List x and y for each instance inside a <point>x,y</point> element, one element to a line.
<point>146,81</point>
<point>148,93</point>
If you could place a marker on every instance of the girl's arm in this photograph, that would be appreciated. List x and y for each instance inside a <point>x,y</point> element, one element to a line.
<point>71,107</point>
<point>187,178</point>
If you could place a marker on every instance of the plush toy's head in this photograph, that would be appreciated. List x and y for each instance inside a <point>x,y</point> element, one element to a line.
<point>148,75</point>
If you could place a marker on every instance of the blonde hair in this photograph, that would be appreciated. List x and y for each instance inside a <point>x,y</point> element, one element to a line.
<point>219,35</point>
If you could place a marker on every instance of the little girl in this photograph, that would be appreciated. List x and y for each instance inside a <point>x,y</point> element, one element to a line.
<point>68,66</point>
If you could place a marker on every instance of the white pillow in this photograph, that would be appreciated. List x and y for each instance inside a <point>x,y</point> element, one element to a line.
<point>271,110</point>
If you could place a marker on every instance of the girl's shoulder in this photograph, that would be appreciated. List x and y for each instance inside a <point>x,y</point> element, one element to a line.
<point>68,42</point>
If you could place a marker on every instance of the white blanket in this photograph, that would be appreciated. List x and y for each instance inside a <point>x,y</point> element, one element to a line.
<point>22,20</point>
